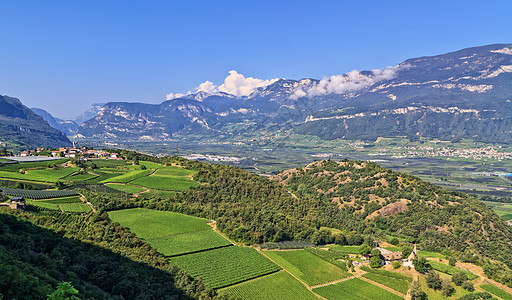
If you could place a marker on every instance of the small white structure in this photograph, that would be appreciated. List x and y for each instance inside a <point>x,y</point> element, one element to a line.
<point>409,261</point>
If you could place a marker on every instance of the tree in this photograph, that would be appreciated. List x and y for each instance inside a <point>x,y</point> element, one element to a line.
<point>376,259</point>
<point>459,278</point>
<point>394,241</point>
<point>340,239</point>
<point>421,265</point>
<point>64,291</point>
<point>452,261</point>
<point>447,288</point>
<point>433,280</point>
<point>416,291</point>
<point>396,264</point>
<point>468,286</point>
<point>407,250</point>
<point>365,249</point>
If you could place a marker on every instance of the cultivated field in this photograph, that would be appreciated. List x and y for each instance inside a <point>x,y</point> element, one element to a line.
<point>149,224</point>
<point>127,177</point>
<point>450,269</point>
<point>165,183</point>
<point>188,242</point>
<point>280,285</point>
<point>225,266</point>
<point>306,266</point>
<point>393,280</point>
<point>496,291</point>
<point>355,289</point>
<point>174,171</point>
<point>130,189</point>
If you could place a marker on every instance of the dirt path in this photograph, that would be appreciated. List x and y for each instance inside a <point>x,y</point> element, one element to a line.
<point>82,197</point>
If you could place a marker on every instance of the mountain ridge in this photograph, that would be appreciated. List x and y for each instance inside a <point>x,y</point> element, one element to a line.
<point>461,94</point>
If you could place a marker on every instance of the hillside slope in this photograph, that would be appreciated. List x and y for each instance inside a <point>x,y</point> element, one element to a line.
<point>21,126</point>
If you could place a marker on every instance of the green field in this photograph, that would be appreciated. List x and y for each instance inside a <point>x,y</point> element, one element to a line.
<point>306,266</point>
<point>347,249</point>
<point>430,254</point>
<point>393,280</point>
<point>149,224</point>
<point>127,177</point>
<point>75,199</point>
<point>355,289</point>
<point>126,188</point>
<point>450,269</point>
<point>42,204</point>
<point>81,177</point>
<point>188,242</point>
<point>40,175</point>
<point>225,266</point>
<point>496,291</point>
<point>504,211</point>
<point>280,285</point>
<point>174,171</point>
<point>75,207</point>
<point>31,165</point>
<point>165,183</point>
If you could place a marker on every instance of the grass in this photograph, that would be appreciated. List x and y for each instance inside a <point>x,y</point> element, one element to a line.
<point>355,289</point>
<point>174,171</point>
<point>126,188</point>
<point>150,165</point>
<point>430,254</point>
<point>75,207</point>
<point>165,183</point>
<point>450,269</point>
<point>127,177</point>
<point>280,285</point>
<point>75,199</point>
<point>347,249</point>
<point>393,280</point>
<point>306,266</point>
<point>148,224</point>
<point>188,242</point>
<point>496,291</point>
<point>225,266</point>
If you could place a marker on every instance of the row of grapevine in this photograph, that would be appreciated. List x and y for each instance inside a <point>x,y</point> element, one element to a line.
<point>37,194</point>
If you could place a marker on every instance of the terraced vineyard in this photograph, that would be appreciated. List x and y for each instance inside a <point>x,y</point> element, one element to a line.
<point>130,176</point>
<point>355,289</point>
<point>75,207</point>
<point>37,194</point>
<point>189,242</point>
<point>150,224</point>
<point>165,183</point>
<point>306,266</point>
<point>126,188</point>
<point>496,291</point>
<point>450,269</point>
<point>396,281</point>
<point>225,266</point>
<point>280,285</point>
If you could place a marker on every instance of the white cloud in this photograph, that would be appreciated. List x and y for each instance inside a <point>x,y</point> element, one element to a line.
<point>171,96</point>
<point>207,87</point>
<point>349,82</point>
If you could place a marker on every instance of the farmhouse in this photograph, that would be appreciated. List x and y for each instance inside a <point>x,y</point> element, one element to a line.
<point>18,203</point>
<point>389,256</point>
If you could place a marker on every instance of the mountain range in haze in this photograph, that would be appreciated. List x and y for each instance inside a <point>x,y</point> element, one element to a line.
<point>462,94</point>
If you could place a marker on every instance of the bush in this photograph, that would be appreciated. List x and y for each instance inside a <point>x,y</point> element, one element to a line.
<point>396,264</point>
<point>447,288</point>
<point>459,278</point>
<point>394,241</point>
<point>468,286</point>
<point>433,280</point>
<point>421,265</point>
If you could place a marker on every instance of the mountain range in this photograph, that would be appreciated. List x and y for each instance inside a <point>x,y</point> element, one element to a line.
<point>463,94</point>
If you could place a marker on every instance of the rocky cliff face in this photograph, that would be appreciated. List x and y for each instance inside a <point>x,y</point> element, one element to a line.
<point>463,94</point>
<point>21,126</point>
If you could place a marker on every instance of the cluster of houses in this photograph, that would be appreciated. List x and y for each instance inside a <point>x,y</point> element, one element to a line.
<point>390,256</point>
<point>73,152</point>
<point>15,203</point>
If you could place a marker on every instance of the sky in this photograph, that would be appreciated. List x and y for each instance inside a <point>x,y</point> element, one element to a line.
<point>63,56</point>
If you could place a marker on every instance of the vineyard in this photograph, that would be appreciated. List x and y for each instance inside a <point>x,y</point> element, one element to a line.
<point>450,269</point>
<point>174,171</point>
<point>496,291</point>
<point>36,194</point>
<point>355,289</point>
<point>150,224</point>
<point>225,266</point>
<point>165,183</point>
<point>127,177</point>
<point>280,285</point>
<point>396,281</point>
<point>188,242</point>
<point>306,266</point>
<point>130,189</point>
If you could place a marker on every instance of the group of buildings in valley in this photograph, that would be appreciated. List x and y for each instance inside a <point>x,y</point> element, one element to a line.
<point>389,256</point>
<point>71,152</point>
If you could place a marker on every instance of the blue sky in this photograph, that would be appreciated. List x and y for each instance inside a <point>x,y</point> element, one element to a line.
<point>64,55</point>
